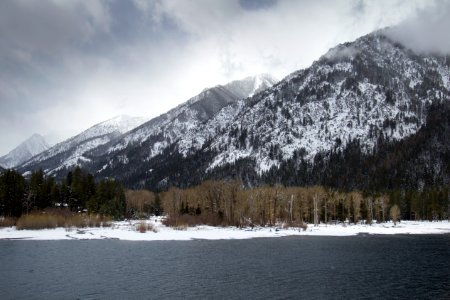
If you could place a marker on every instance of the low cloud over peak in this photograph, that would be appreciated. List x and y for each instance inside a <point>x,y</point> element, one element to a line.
<point>427,31</point>
<point>66,65</point>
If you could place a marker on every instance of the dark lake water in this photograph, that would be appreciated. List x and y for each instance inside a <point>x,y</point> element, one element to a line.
<point>360,267</point>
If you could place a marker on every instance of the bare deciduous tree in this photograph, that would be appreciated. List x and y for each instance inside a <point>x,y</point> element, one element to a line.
<point>394,213</point>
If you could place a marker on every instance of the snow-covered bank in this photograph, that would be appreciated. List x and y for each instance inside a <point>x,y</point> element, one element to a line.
<point>127,231</point>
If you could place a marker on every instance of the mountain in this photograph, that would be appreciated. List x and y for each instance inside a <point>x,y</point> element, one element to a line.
<point>26,150</point>
<point>106,141</point>
<point>362,90</point>
<point>69,153</point>
<point>371,90</point>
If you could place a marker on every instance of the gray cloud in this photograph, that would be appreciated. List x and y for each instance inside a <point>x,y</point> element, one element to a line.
<point>428,31</point>
<point>257,4</point>
<point>66,65</point>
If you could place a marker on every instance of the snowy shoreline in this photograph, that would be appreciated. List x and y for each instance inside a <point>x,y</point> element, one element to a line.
<point>126,230</point>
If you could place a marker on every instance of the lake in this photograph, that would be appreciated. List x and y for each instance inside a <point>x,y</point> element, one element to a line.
<point>364,267</point>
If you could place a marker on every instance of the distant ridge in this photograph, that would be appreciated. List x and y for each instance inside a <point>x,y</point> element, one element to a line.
<point>69,153</point>
<point>26,150</point>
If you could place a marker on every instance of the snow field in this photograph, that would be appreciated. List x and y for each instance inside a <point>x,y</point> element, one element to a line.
<point>126,230</point>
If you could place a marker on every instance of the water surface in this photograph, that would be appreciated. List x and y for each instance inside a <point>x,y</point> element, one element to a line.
<point>358,267</point>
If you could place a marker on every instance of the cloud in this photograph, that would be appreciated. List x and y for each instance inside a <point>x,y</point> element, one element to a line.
<point>281,36</point>
<point>257,4</point>
<point>428,31</point>
<point>66,65</point>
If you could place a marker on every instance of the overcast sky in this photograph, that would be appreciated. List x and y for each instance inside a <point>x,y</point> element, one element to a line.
<point>66,65</point>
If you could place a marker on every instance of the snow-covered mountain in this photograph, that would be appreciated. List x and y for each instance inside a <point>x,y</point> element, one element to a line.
<point>70,152</point>
<point>370,91</point>
<point>373,88</point>
<point>26,150</point>
<point>186,122</point>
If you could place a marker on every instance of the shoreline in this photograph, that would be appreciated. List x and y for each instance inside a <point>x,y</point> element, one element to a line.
<point>126,231</point>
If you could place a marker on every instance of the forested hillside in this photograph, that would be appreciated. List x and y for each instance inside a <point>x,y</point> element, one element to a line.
<point>335,123</point>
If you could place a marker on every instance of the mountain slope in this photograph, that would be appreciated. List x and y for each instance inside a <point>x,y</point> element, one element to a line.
<point>419,162</point>
<point>190,114</point>
<point>367,90</point>
<point>106,142</point>
<point>69,153</point>
<point>185,124</point>
<point>26,150</point>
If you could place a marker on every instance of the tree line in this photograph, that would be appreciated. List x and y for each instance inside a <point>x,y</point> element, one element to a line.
<point>78,192</point>
<point>229,203</point>
<point>218,202</point>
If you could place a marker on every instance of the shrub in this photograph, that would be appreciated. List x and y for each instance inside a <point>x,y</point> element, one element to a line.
<point>181,227</point>
<point>303,226</point>
<point>300,224</point>
<point>143,227</point>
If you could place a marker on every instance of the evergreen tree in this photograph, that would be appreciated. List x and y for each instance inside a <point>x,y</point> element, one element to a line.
<point>12,192</point>
<point>109,199</point>
<point>36,198</point>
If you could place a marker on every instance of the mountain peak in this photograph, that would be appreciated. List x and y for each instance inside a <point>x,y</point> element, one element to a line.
<point>251,85</point>
<point>36,144</point>
<point>32,146</point>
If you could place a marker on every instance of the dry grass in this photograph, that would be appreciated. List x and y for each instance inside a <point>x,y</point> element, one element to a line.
<point>60,218</point>
<point>143,227</point>
<point>7,221</point>
<point>39,221</point>
<point>78,221</point>
<point>97,221</point>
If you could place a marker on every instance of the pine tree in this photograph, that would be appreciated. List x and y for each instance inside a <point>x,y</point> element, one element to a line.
<point>12,191</point>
